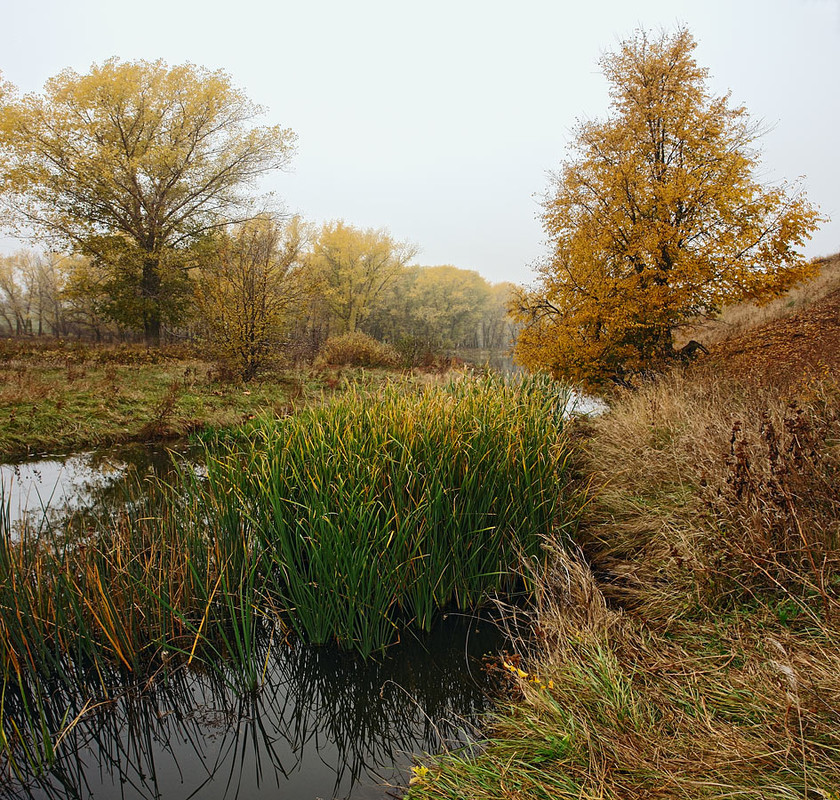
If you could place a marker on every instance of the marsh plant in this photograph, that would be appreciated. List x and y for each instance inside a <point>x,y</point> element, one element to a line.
<point>376,511</point>
<point>345,523</point>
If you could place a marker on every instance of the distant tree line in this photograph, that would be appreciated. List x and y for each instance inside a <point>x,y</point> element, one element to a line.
<point>138,181</point>
<point>265,288</point>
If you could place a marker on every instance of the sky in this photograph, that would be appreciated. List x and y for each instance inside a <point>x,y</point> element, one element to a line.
<point>440,120</point>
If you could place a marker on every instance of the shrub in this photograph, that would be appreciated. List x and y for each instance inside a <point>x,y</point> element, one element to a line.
<point>359,350</point>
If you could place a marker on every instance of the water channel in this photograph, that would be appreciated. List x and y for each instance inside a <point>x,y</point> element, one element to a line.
<point>323,724</point>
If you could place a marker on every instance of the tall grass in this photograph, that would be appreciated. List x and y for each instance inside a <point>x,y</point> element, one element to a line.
<point>697,653</point>
<point>377,510</point>
<point>345,522</point>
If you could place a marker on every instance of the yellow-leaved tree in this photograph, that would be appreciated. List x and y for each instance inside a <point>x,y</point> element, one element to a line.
<point>352,268</point>
<point>250,289</point>
<point>655,217</point>
<point>130,165</point>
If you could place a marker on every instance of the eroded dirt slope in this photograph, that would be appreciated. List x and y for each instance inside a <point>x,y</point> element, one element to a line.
<point>793,349</point>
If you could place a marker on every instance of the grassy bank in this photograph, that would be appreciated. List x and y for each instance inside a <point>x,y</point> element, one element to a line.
<point>59,397</point>
<point>691,647</point>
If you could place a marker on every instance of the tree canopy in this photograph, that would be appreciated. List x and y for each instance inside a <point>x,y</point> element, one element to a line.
<point>353,267</point>
<point>655,217</point>
<point>133,162</point>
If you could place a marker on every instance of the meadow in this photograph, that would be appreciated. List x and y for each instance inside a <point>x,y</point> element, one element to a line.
<point>61,396</point>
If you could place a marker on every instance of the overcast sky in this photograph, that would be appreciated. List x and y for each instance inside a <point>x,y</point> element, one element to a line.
<point>440,119</point>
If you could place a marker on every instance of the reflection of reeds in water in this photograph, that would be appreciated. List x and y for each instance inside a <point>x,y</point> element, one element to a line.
<point>325,718</point>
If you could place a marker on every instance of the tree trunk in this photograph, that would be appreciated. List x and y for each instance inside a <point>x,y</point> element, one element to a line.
<point>150,294</point>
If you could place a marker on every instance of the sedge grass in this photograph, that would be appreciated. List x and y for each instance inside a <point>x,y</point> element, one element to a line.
<point>376,511</point>
<point>345,523</point>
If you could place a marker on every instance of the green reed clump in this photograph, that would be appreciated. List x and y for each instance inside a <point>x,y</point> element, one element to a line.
<point>346,522</point>
<point>375,511</point>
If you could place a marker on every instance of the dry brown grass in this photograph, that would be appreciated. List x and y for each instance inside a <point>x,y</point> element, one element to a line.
<point>19,384</point>
<point>734,320</point>
<point>691,647</point>
<point>711,489</point>
<point>609,709</point>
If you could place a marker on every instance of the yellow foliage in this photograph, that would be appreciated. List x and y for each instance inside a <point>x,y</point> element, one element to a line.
<point>352,267</point>
<point>249,289</point>
<point>656,217</point>
<point>137,156</point>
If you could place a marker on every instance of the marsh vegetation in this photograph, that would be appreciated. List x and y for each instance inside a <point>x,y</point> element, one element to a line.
<point>347,524</point>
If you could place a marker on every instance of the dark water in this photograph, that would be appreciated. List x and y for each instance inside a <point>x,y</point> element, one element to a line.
<point>323,724</point>
<point>55,490</point>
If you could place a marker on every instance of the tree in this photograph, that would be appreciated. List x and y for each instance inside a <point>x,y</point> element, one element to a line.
<point>43,281</point>
<point>655,218</point>
<point>353,267</point>
<point>447,304</point>
<point>87,304</point>
<point>132,163</point>
<point>249,288</point>
<point>498,330</point>
<point>15,300</point>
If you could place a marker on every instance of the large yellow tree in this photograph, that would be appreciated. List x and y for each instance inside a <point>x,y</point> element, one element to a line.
<point>655,217</point>
<point>131,163</point>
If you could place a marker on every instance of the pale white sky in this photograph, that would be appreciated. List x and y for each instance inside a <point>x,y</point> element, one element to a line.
<point>440,119</point>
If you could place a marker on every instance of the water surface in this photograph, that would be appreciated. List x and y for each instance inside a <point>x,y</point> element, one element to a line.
<point>55,489</point>
<point>323,724</point>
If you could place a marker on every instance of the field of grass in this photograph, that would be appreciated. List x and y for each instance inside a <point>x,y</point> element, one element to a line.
<point>60,397</point>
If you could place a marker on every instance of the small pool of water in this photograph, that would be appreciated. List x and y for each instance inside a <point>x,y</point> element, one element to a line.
<point>324,724</point>
<point>51,490</point>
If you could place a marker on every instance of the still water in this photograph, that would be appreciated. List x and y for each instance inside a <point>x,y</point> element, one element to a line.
<point>323,723</point>
<point>55,489</point>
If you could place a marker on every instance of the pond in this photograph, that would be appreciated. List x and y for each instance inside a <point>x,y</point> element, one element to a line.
<point>54,489</point>
<point>322,724</point>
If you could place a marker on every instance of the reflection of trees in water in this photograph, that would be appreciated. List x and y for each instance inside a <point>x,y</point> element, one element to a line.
<point>322,717</point>
<point>79,490</point>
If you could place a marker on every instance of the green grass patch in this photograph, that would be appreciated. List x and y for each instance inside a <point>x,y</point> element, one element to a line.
<point>64,401</point>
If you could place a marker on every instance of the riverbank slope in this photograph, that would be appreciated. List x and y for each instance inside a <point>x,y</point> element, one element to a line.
<point>689,646</point>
